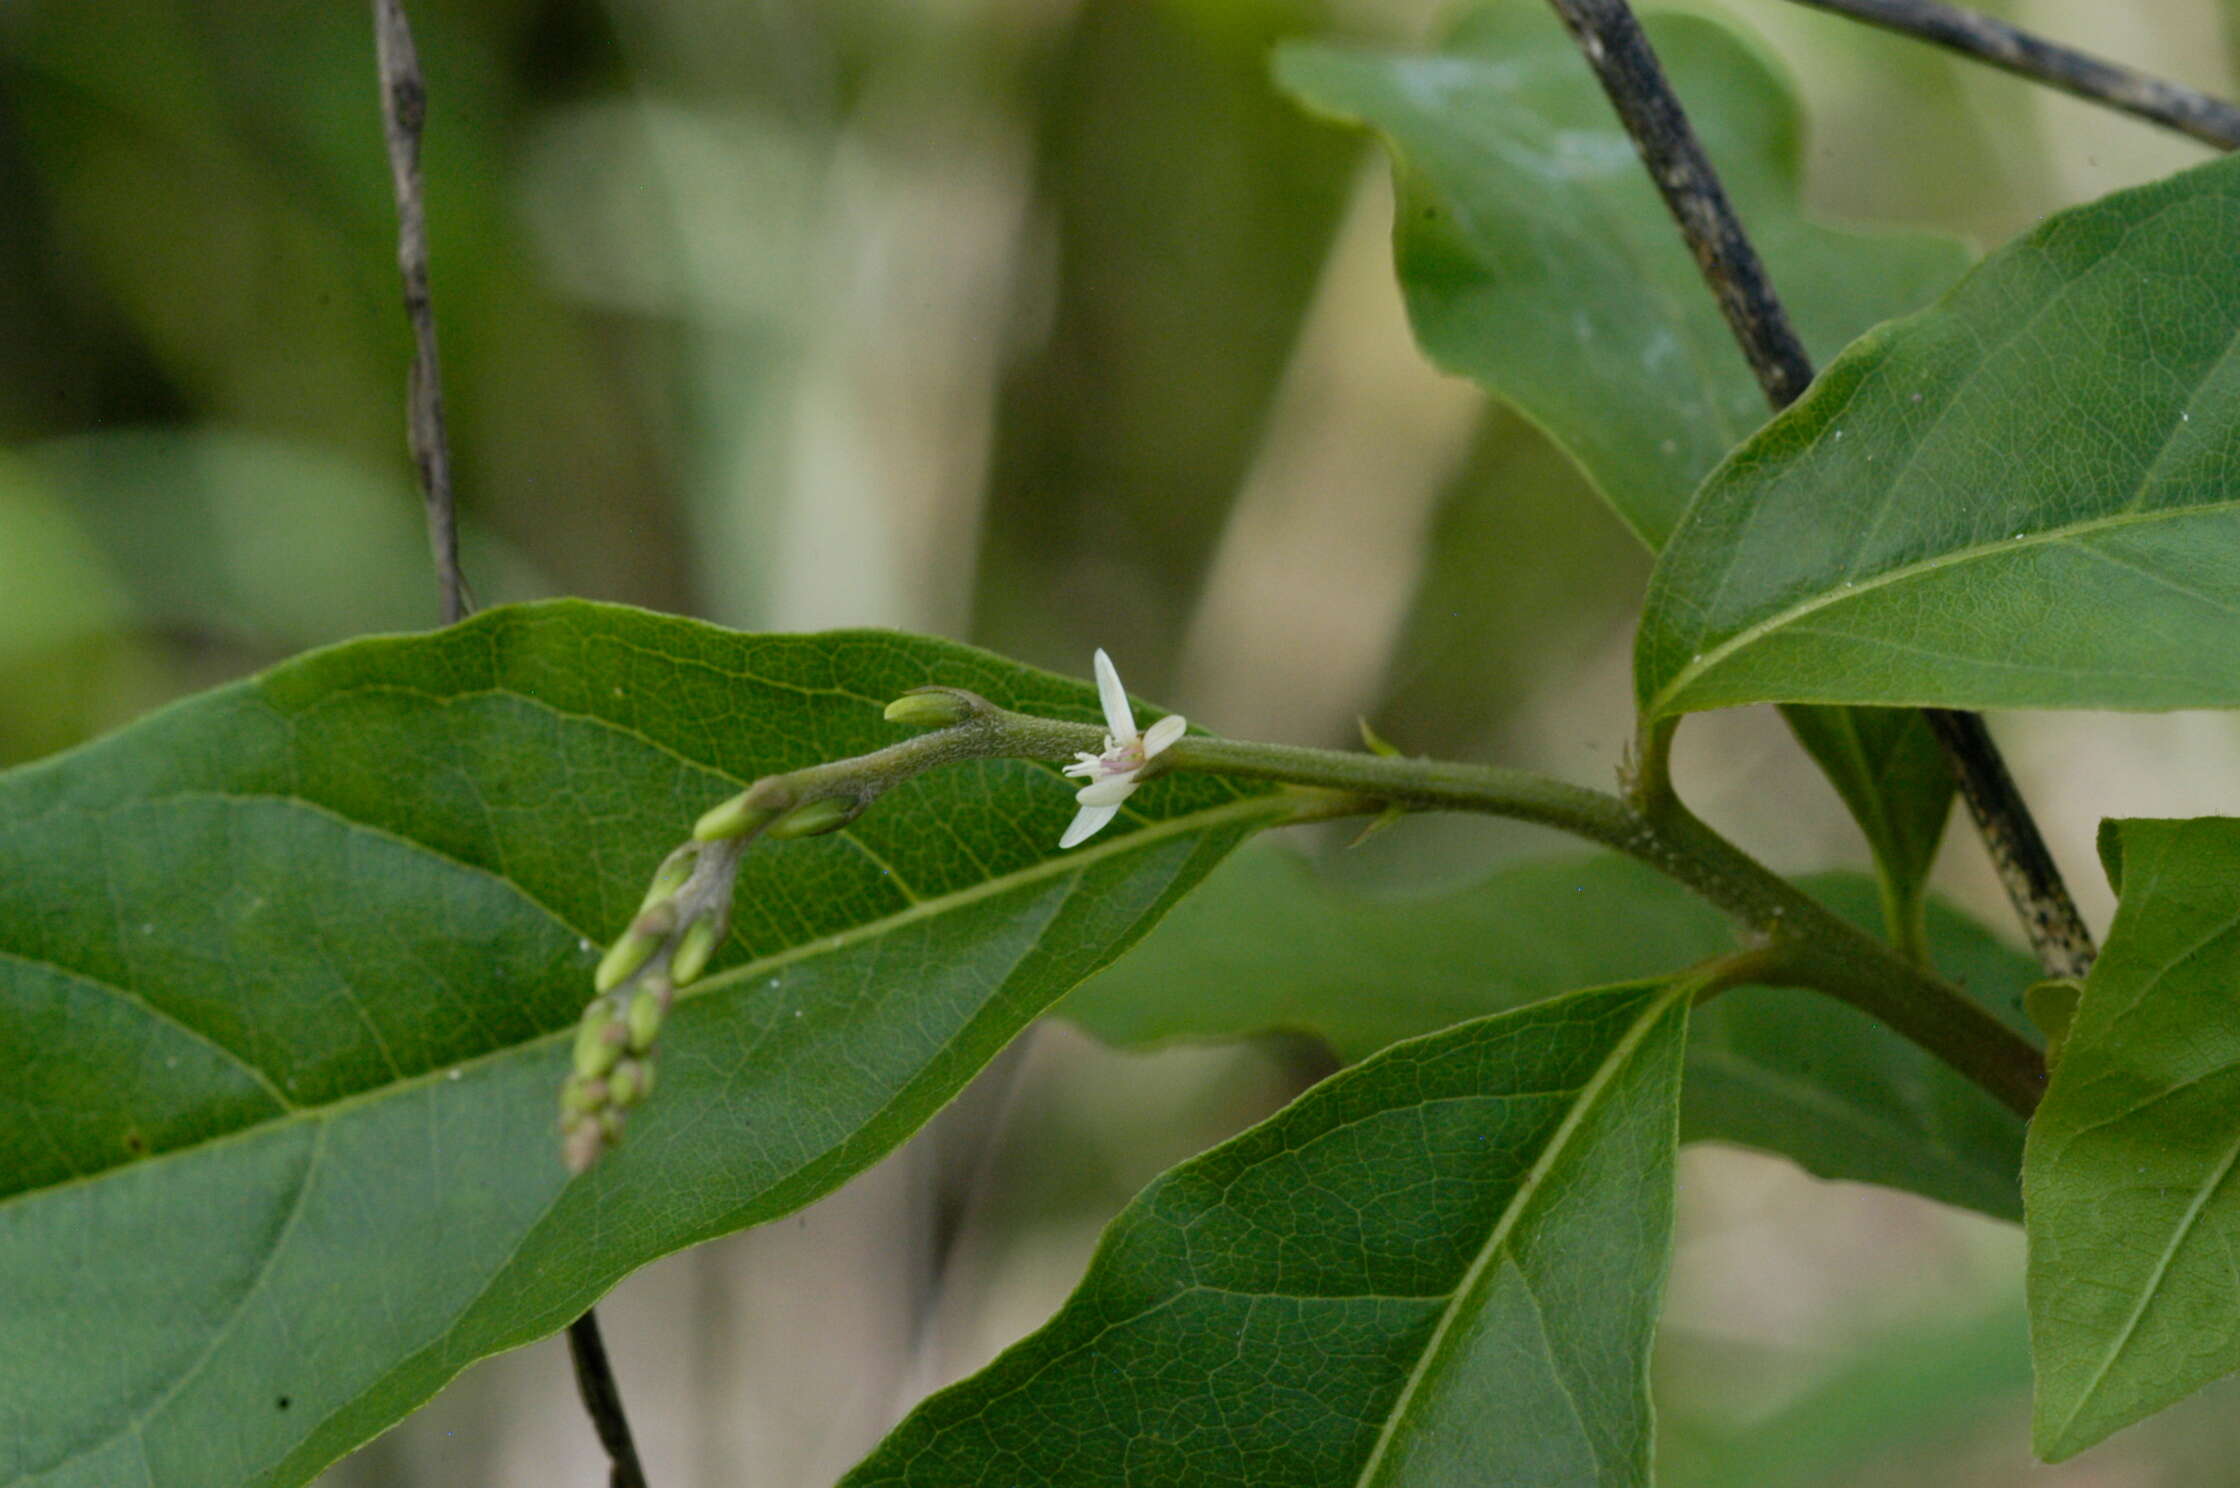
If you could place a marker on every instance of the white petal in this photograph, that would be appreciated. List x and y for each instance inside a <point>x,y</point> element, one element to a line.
<point>1107,792</point>
<point>1087,823</point>
<point>1163,733</point>
<point>1117,716</point>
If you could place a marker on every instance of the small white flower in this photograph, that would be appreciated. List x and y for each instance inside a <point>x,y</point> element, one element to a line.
<point>1112,774</point>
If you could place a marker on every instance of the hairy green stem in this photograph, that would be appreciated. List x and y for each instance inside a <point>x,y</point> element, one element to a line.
<point>1822,950</point>
<point>1806,944</point>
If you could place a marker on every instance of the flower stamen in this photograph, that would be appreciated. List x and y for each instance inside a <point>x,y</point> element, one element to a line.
<point>1112,774</point>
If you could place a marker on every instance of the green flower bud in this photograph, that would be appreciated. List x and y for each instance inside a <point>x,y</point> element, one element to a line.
<point>813,818</point>
<point>628,1084</point>
<point>581,1097</point>
<point>734,818</point>
<point>673,874</point>
<point>694,948</point>
<point>625,956</point>
<point>596,1052</point>
<point>929,707</point>
<point>581,1144</point>
<point>644,1020</point>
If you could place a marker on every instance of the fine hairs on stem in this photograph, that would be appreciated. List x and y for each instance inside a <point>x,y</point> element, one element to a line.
<point>1611,38</point>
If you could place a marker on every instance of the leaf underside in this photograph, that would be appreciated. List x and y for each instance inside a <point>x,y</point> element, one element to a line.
<point>1539,261</point>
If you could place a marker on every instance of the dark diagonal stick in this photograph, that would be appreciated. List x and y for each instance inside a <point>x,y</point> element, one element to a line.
<point>602,1398</point>
<point>1615,47</point>
<point>2011,49</point>
<point>404,109</point>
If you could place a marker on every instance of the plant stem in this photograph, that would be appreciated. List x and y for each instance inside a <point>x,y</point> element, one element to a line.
<point>1630,74</point>
<point>1612,41</point>
<point>1816,948</point>
<point>404,110</point>
<point>2025,866</point>
<point>1836,957</point>
<point>602,1401</point>
<point>1824,951</point>
<point>2012,49</point>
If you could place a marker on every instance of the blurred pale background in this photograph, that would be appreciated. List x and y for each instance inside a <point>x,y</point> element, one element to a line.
<point>1041,323</point>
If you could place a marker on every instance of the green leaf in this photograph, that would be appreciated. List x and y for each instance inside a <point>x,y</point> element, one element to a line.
<point>1539,261</point>
<point>2134,1217</point>
<point>1792,1072</point>
<point>1894,1404</point>
<point>1268,944</point>
<point>1890,771</point>
<point>290,971</point>
<point>1442,1266</point>
<point>2022,497</point>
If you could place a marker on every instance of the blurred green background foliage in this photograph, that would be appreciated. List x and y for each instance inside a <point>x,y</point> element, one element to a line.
<point>1044,324</point>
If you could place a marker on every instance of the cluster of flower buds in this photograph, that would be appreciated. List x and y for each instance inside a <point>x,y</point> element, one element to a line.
<point>683,917</point>
<point>668,944</point>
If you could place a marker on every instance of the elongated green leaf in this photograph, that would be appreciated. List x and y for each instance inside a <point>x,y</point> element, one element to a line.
<point>2134,1216</point>
<point>2022,497</point>
<point>1538,260</point>
<point>1267,944</point>
<point>287,974</point>
<point>1441,1267</point>
<point>1892,775</point>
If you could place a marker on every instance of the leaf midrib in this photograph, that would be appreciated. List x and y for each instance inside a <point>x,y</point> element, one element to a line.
<point>1241,810</point>
<point>1707,661</point>
<point>2153,1286</point>
<point>1653,1009</point>
<point>2007,335</point>
<point>138,1422</point>
<point>2143,887</point>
